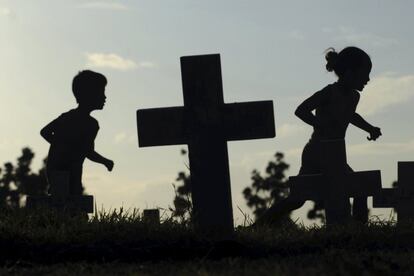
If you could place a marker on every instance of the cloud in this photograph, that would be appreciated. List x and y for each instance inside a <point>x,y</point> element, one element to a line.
<point>385,91</point>
<point>297,35</point>
<point>104,5</point>
<point>294,153</point>
<point>124,137</point>
<point>327,30</point>
<point>289,130</point>
<point>379,148</point>
<point>7,143</point>
<point>146,64</point>
<point>112,61</point>
<point>116,62</point>
<point>120,137</point>
<point>351,36</point>
<point>5,11</point>
<point>249,161</point>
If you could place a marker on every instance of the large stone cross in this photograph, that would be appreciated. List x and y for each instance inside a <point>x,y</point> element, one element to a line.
<point>336,184</point>
<point>60,198</point>
<point>205,123</point>
<point>401,197</point>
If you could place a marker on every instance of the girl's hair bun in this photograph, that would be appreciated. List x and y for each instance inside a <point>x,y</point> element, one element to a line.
<point>331,57</point>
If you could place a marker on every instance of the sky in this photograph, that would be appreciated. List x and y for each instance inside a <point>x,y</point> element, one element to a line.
<point>270,50</point>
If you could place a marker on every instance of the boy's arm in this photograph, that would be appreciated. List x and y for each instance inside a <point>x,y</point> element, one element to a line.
<point>304,110</point>
<point>48,131</point>
<point>359,122</point>
<point>96,157</point>
<point>92,154</point>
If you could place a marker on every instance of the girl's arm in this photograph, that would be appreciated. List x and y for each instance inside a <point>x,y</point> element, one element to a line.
<point>304,110</point>
<point>359,122</point>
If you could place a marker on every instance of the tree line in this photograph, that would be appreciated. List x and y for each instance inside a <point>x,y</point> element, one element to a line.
<point>17,180</point>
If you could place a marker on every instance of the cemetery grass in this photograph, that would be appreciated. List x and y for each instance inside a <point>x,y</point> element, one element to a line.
<point>119,242</point>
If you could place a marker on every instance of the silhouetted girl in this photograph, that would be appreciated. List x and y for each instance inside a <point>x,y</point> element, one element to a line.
<point>334,108</point>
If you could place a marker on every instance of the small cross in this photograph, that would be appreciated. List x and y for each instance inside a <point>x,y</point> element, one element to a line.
<point>60,197</point>
<point>335,185</point>
<point>402,197</point>
<point>205,123</point>
<point>151,216</point>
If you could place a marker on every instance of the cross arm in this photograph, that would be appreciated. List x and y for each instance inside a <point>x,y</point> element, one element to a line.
<point>318,187</point>
<point>161,126</point>
<point>82,203</point>
<point>363,183</point>
<point>386,198</point>
<point>249,120</point>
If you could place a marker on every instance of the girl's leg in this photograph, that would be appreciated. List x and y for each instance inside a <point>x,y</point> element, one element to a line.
<point>281,209</point>
<point>359,207</point>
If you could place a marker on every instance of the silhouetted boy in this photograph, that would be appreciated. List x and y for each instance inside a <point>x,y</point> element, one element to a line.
<point>72,134</point>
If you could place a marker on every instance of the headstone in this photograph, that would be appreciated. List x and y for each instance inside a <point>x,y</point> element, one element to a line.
<point>402,197</point>
<point>335,185</point>
<point>151,216</point>
<point>205,123</point>
<point>60,198</point>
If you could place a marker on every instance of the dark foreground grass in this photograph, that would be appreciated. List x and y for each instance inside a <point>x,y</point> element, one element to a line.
<point>120,243</point>
<point>331,263</point>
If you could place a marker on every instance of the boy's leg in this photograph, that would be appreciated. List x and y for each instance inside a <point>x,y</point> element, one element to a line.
<point>76,179</point>
<point>76,189</point>
<point>48,173</point>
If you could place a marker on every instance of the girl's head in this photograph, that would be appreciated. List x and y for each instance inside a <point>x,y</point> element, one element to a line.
<point>352,66</point>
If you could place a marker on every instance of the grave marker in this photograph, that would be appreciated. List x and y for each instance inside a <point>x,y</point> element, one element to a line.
<point>402,197</point>
<point>335,185</point>
<point>60,198</point>
<point>151,216</point>
<point>205,123</point>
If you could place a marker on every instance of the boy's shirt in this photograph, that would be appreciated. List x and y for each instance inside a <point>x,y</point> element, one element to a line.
<point>74,135</point>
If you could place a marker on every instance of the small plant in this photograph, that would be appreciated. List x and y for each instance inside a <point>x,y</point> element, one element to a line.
<point>268,189</point>
<point>19,180</point>
<point>183,205</point>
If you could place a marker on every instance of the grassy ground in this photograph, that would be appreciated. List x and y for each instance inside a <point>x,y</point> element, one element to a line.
<point>119,243</point>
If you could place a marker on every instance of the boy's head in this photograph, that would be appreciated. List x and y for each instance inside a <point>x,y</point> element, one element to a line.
<point>89,89</point>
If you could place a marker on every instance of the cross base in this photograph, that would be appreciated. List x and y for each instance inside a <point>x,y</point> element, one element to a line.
<point>82,203</point>
<point>151,216</point>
